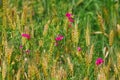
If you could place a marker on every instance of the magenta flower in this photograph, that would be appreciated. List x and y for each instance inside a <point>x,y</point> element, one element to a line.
<point>59,38</point>
<point>27,51</point>
<point>21,46</point>
<point>68,15</point>
<point>70,19</point>
<point>26,36</point>
<point>79,49</point>
<point>99,61</point>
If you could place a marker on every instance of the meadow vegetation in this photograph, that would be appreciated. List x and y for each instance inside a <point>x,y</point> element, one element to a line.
<point>59,40</point>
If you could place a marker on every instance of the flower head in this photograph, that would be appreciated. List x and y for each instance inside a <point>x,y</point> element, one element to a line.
<point>21,46</point>
<point>79,49</point>
<point>70,19</point>
<point>59,38</point>
<point>26,36</point>
<point>68,15</point>
<point>99,61</point>
<point>27,51</point>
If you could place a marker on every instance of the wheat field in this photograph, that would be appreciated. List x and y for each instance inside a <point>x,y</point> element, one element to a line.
<point>59,40</point>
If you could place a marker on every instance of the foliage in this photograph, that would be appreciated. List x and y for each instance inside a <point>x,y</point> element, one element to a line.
<point>39,42</point>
